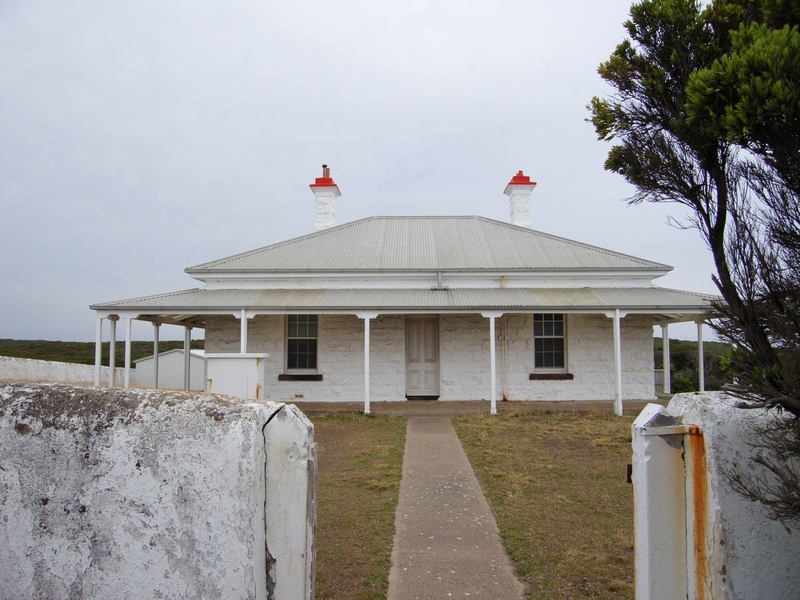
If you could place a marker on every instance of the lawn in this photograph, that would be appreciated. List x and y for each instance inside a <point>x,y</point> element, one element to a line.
<point>556,484</point>
<point>360,466</point>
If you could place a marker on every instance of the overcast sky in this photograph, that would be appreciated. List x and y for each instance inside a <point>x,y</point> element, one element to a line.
<point>140,138</point>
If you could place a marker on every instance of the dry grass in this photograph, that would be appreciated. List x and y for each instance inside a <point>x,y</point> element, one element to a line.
<point>360,466</point>
<point>556,484</point>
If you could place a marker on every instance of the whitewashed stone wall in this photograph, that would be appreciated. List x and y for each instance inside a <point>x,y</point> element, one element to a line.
<point>111,493</point>
<point>27,369</point>
<point>590,358</point>
<point>464,357</point>
<point>340,356</point>
<point>695,536</point>
<point>387,357</point>
<point>464,366</point>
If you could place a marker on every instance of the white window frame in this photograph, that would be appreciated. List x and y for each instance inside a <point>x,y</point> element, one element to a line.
<point>287,368</point>
<point>565,368</point>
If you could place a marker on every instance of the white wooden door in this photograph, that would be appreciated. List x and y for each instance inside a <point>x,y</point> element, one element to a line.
<point>422,356</point>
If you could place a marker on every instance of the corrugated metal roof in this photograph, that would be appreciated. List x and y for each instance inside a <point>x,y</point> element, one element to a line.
<point>426,243</point>
<point>198,301</point>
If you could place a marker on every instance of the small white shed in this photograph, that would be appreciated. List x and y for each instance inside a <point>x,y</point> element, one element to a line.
<point>170,370</point>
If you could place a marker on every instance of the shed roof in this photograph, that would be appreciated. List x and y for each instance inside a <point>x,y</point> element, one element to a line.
<point>198,353</point>
<point>426,243</point>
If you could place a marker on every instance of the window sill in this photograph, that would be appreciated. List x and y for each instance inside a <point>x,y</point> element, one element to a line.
<point>300,377</point>
<point>550,376</point>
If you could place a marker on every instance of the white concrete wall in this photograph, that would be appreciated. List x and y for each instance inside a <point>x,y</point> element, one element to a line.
<point>464,357</point>
<point>26,369</point>
<point>140,494</point>
<point>170,371</point>
<point>731,550</point>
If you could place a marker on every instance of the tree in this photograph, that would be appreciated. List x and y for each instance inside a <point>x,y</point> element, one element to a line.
<point>751,96</point>
<point>664,156</point>
<point>709,119</point>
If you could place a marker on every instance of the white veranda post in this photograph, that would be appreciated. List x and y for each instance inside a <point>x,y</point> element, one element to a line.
<point>667,359</point>
<point>701,358</point>
<point>112,349</point>
<point>616,316</point>
<point>156,326</point>
<point>243,332</point>
<point>187,356</point>
<point>493,358</point>
<point>98,350</point>
<point>367,317</point>
<point>128,322</point>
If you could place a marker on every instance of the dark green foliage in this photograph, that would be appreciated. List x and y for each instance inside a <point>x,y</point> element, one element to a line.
<point>683,383</point>
<point>83,352</point>
<point>683,364</point>
<point>752,97</point>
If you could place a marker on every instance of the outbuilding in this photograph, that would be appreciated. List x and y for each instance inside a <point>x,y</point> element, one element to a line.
<point>170,370</point>
<point>447,308</point>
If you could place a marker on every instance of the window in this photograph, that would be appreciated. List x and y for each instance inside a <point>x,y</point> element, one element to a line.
<point>301,342</point>
<point>548,341</point>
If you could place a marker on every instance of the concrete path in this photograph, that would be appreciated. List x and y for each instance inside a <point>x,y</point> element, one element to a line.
<point>447,543</point>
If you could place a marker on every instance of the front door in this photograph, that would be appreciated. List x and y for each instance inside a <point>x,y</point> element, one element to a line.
<point>422,357</point>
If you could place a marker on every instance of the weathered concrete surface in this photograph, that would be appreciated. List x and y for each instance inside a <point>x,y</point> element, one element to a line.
<point>139,494</point>
<point>732,549</point>
<point>446,543</point>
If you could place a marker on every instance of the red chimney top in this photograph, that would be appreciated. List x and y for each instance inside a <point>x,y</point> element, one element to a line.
<point>326,180</point>
<point>521,179</point>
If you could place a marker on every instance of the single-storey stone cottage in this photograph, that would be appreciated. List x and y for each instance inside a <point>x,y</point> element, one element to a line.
<point>452,308</point>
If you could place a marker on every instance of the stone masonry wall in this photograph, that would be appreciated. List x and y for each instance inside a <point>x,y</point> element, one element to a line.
<point>464,357</point>
<point>340,356</point>
<point>590,359</point>
<point>464,366</point>
<point>112,493</point>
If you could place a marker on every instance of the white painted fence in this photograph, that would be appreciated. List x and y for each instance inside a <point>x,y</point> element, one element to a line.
<point>695,537</point>
<point>659,380</point>
<point>113,493</point>
<point>27,369</point>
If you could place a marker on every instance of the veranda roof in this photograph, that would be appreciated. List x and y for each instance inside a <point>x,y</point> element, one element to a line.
<point>586,299</point>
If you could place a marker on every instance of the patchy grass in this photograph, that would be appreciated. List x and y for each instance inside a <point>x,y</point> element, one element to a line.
<point>360,467</point>
<point>556,484</point>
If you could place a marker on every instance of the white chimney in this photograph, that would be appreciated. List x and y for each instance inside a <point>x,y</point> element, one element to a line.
<point>325,194</point>
<point>519,191</point>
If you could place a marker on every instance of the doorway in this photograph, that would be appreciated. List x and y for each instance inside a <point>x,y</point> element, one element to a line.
<point>422,358</point>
